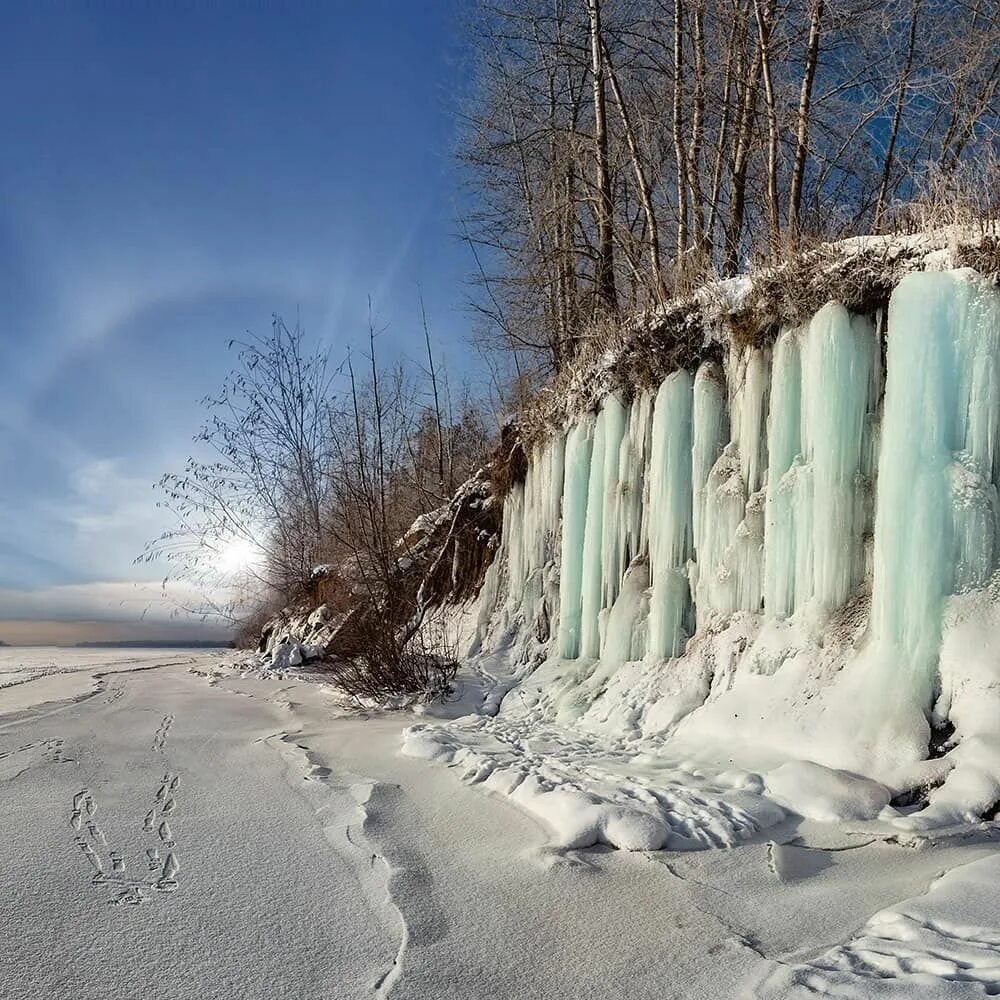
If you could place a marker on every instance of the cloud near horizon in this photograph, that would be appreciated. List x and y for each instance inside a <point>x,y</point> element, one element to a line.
<point>106,610</point>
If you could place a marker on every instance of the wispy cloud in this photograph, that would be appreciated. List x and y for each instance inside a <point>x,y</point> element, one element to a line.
<point>106,517</point>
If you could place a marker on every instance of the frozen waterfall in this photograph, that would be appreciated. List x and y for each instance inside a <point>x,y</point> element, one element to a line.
<point>843,460</point>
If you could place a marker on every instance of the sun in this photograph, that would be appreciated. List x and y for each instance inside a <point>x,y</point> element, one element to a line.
<point>236,555</point>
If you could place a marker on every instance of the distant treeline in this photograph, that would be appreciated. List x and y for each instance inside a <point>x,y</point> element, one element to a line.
<point>156,644</point>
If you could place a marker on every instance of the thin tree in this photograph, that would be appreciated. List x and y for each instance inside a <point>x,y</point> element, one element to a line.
<point>606,296</point>
<point>802,127</point>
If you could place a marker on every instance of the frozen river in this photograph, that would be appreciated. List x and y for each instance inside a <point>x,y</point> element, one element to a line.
<point>23,663</point>
<point>179,836</point>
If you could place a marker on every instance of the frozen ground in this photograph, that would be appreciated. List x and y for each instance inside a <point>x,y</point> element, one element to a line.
<point>168,833</point>
<point>24,663</point>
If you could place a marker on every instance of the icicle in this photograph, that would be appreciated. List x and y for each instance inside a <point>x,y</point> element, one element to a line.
<point>624,635</point>
<point>543,500</point>
<point>670,526</point>
<point>750,416</point>
<point>784,444</point>
<point>576,480</point>
<point>935,524</point>
<point>725,506</point>
<point>837,368</point>
<point>822,392</point>
<point>615,416</point>
<point>710,432</point>
<point>974,523</point>
<point>632,474</point>
<point>513,541</point>
<point>603,467</point>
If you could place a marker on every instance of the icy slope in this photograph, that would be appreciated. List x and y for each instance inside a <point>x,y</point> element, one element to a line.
<point>752,565</point>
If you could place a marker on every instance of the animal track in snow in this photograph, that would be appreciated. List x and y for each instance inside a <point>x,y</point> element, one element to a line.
<point>50,751</point>
<point>160,736</point>
<point>132,896</point>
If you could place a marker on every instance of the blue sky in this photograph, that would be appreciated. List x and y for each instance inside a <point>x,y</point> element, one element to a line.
<point>173,174</point>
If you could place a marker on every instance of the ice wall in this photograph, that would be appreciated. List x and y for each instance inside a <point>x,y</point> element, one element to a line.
<point>817,512</point>
<point>783,483</point>
<point>936,524</point>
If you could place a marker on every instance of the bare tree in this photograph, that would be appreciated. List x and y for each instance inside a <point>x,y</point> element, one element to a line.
<point>802,127</point>
<point>737,127</point>
<point>260,481</point>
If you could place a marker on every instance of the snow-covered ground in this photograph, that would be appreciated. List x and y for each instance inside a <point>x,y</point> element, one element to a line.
<point>23,663</point>
<point>182,831</point>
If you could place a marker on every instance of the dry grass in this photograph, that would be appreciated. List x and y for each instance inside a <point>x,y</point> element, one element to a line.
<point>701,324</point>
<point>983,257</point>
<point>624,359</point>
<point>790,293</point>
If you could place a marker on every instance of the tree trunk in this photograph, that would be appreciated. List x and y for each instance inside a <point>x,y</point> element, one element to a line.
<point>697,128</point>
<point>642,183</point>
<point>721,141</point>
<point>742,144</point>
<point>802,131</point>
<point>765,25</point>
<point>678,129</point>
<point>897,117</point>
<point>605,264</point>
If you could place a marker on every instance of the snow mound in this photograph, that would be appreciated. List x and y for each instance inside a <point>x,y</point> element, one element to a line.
<point>587,792</point>
<point>970,699</point>
<point>825,794</point>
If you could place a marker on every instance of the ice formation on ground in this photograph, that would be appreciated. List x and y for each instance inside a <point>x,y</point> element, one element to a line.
<point>780,567</point>
<point>948,937</point>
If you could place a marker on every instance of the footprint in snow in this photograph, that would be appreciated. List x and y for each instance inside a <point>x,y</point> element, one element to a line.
<point>168,877</point>
<point>163,874</point>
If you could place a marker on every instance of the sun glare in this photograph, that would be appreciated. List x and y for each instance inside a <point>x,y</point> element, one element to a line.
<point>236,555</point>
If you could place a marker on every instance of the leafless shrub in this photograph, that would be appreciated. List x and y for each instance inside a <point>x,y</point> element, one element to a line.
<point>259,480</point>
<point>964,197</point>
<point>983,256</point>
<point>339,468</point>
<point>388,672</point>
